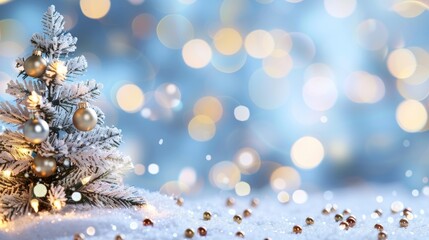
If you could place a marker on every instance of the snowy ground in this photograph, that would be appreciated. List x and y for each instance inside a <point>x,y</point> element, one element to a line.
<point>269,219</point>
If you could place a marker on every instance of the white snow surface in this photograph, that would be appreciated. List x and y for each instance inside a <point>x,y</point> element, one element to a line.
<point>270,219</point>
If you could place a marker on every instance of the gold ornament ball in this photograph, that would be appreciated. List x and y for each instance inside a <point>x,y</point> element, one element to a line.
<point>382,235</point>
<point>255,202</point>
<point>379,212</point>
<point>379,227</point>
<point>207,216</point>
<point>247,213</point>
<point>85,118</point>
<point>36,130</point>
<point>237,219</point>
<point>35,65</point>
<point>202,231</point>
<point>347,211</point>
<point>403,223</point>
<point>239,234</point>
<point>309,221</point>
<point>189,233</point>
<point>344,226</point>
<point>351,221</point>
<point>230,202</point>
<point>326,211</point>
<point>44,166</point>
<point>297,229</point>
<point>79,236</point>
<point>338,217</point>
<point>180,201</point>
<point>147,222</point>
<point>119,237</point>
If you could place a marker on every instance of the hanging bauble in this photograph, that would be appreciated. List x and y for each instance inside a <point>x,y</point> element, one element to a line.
<point>35,65</point>
<point>36,130</point>
<point>44,166</point>
<point>85,118</point>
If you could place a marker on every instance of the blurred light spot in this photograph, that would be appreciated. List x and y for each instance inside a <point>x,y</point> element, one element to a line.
<point>259,44</point>
<point>95,9</point>
<point>208,157</point>
<point>318,70</point>
<point>197,53</point>
<point>174,31</point>
<point>153,168</point>
<point>188,176</point>
<point>224,175</point>
<point>10,49</point>
<point>242,189</point>
<point>231,10</point>
<point>425,190</point>
<point>201,128</point>
<point>161,141</point>
<point>410,8</point>
<point>379,199</point>
<point>228,41</point>
<point>408,173</point>
<point>362,87</point>
<point>241,113</point>
<point>173,188</point>
<point>303,49</point>
<point>136,2</point>
<point>307,152</point>
<point>139,169</point>
<point>285,178</point>
<point>323,119</point>
<point>294,1</point>
<point>282,40</point>
<point>168,95</point>
<point>133,225</point>
<point>300,196</point>
<point>421,74</point>
<point>143,25</point>
<point>340,8</point>
<point>90,231</point>
<point>413,91</point>
<point>415,193</point>
<point>229,63</point>
<point>425,180</point>
<point>4,1</point>
<point>339,150</point>
<point>130,98</point>
<point>283,197</point>
<point>396,206</point>
<point>372,34</point>
<point>320,93</point>
<point>210,107</point>
<point>70,21</point>
<point>278,64</point>
<point>406,143</point>
<point>247,160</point>
<point>411,116</point>
<point>401,63</point>
<point>267,92</point>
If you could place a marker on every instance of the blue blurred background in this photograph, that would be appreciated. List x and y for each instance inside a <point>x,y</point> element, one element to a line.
<point>238,95</point>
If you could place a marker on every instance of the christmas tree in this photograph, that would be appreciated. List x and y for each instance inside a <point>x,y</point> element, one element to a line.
<point>58,152</point>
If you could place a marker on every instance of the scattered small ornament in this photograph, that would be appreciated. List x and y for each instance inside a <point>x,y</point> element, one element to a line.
<point>255,202</point>
<point>237,219</point>
<point>297,229</point>
<point>147,222</point>
<point>325,211</point>
<point>379,212</point>
<point>344,226</point>
<point>180,201</point>
<point>403,223</point>
<point>267,239</point>
<point>347,211</point>
<point>202,231</point>
<point>239,234</point>
<point>408,213</point>
<point>230,202</point>
<point>338,217</point>
<point>247,213</point>
<point>309,221</point>
<point>79,236</point>
<point>334,207</point>
<point>382,235</point>
<point>351,220</point>
<point>407,210</point>
<point>207,215</point>
<point>379,227</point>
<point>189,233</point>
<point>119,237</point>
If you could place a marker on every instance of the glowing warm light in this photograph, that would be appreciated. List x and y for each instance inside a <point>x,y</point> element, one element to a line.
<point>143,25</point>
<point>153,168</point>
<point>130,98</point>
<point>362,87</point>
<point>7,173</point>
<point>228,41</point>
<point>4,1</point>
<point>95,9</point>
<point>188,176</point>
<point>303,49</point>
<point>413,91</point>
<point>197,53</point>
<point>267,92</point>
<point>242,189</point>
<point>320,93</point>
<point>90,231</point>
<point>85,180</point>
<point>224,175</point>
<point>229,63</point>
<point>247,160</point>
<point>339,151</point>
<point>278,64</point>
<point>410,8</point>
<point>307,152</point>
<point>401,63</point>
<point>421,74</point>
<point>241,113</point>
<point>411,116</point>
<point>57,204</point>
<point>210,107</point>
<point>283,197</point>
<point>139,169</point>
<point>174,31</point>
<point>285,178</point>
<point>173,188</point>
<point>319,70</point>
<point>168,95</point>
<point>201,128</point>
<point>396,206</point>
<point>231,10</point>
<point>35,204</point>
<point>259,44</point>
<point>340,8</point>
<point>282,40</point>
<point>300,196</point>
<point>372,34</point>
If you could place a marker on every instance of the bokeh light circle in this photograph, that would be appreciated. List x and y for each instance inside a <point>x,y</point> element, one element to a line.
<point>362,87</point>
<point>307,152</point>
<point>224,175</point>
<point>247,160</point>
<point>229,63</point>
<point>421,74</point>
<point>340,8</point>
<point>130,98</point>
<point>401,63</point>
<point>210,107</point>
<point>95,9</point>
<point>241,113</point>
<point>285,178</point>
<point>197,53</point>
<point>174,31</point>
<point>278,64</point>
<point>320,93</point>
<point>201,128</point>
<point>228,41</point>
<point>410,8</point>
<point>242,189</point>
<point>300,196</point>
<point>168,95</point>
<point>303,49</point>
<point>259,44</point>
<point>411,116</point>
<point>372,34</point>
